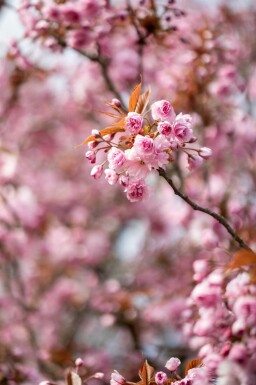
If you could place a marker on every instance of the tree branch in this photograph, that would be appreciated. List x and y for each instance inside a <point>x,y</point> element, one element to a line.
<point>103,63</point>
<point>213,214</point>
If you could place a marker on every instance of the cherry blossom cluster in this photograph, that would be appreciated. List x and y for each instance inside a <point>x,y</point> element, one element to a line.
<point>194,372</point>
<point>224,313</point>
<point>78,24</point>
<point>145,145</point>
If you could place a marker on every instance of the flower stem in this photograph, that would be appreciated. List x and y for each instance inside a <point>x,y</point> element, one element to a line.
<point>213,214</point>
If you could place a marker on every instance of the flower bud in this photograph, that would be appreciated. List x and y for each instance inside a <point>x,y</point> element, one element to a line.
<point>79,362</point>
<point>205,152</point>
<point>172,364</point>
<point>160,378</point>
<point>117,379</point>
<point>91,156</point>
<point>194,161</point>
<point>116,102</point>
<point>96,133</point>
<point>97,171</point>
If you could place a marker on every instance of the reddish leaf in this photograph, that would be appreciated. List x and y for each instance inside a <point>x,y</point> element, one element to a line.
<point>109,114</point>
<point>119,110</point>
<point>134,97</point>
<point>146,373</point>
<point>111,130</point>
<point>243,257</point>
<point>143,101</point>
<point>193,364</point>
<point>73,379</point>
<point>117,127</point>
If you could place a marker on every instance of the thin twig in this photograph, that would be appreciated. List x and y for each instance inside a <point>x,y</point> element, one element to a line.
<point>213,214</point>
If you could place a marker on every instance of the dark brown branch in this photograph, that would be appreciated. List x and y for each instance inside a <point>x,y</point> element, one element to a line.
<point>213,214</point>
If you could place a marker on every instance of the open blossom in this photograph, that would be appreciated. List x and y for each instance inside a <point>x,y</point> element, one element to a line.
<point>133,122</point>
<point>111,176</point>
<point>182,128</point>
<point>116,158</point>
<point>137,190</point>
<point>172,364</point>
<point>163,110</point>
<point>164,128</point>
<point>143,145</point>
<point>134,165</point>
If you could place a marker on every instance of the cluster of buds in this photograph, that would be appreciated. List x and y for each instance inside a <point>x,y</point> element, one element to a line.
<point>138,144</point>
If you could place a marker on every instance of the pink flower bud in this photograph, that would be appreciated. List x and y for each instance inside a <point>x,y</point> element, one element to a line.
<point>97,171</point>
<point>79,362</point>
<point>172,364</point>
<point>116,102</point>
<point>205,152</point>
<point>117,379</point>
<point>194,161</point>
<point>160,378</point>
<point>111,176</point>
<point>193,139</point>
<point>45,383</point>
<point>92,144</point>
<point>98,375</point>
<point>95,133</point>
<point>124,180</point>
<point>91,156</point>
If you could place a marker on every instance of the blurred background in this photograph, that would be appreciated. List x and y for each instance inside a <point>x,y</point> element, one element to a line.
<point>85,273</point>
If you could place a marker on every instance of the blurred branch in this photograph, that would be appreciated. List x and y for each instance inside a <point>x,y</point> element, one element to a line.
<point>103,63</point>
<point>213,214</point>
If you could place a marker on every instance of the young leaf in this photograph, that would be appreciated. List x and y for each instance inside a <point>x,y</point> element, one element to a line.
<point>111,130</point>
<point>134,97</point>
<point>143,101</point>
<point>117,127</point>
<point>146,373</point>
<point>73,379</point>
<point>243,257</point>
<point>193,364</point>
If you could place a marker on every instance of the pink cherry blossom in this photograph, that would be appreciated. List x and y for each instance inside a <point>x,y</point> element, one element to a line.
<point>133,122</point>
<point>111,176</point>
<point>163,110</point>
<point>137,190</point>
<point>116,158</point>
<point>164,128</point>
<point>182,128</point>
<point>144,146</point>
